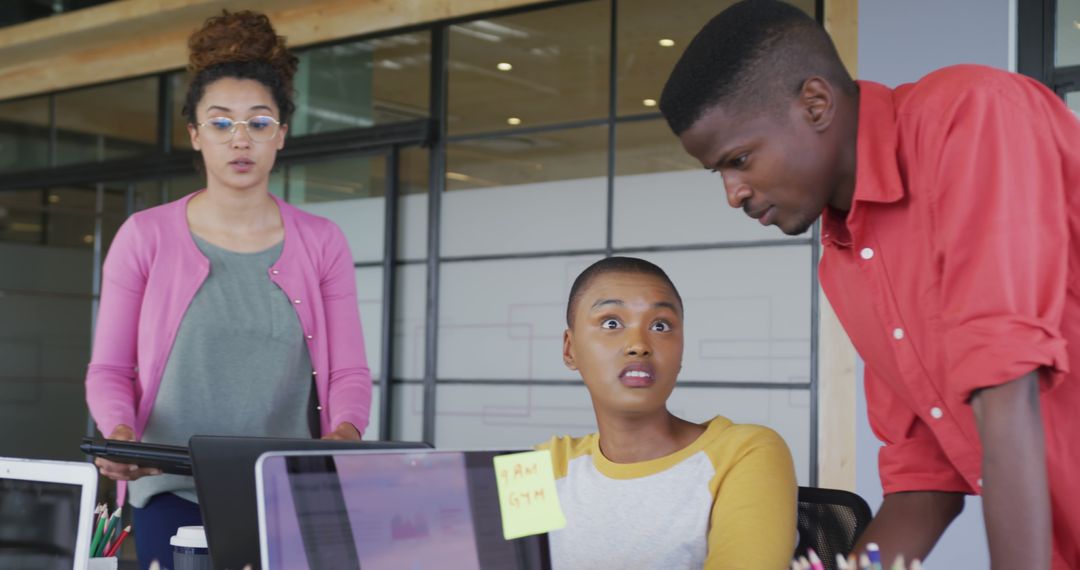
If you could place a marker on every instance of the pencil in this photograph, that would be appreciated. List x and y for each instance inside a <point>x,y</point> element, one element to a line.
<point>114,521</point>
<point>898,563</point>
<point>874,553</point>
<point>815,562</point>
<point>841,562</point>
<point>97,535</point>
<point>864,562</point>
<point>116,544</point>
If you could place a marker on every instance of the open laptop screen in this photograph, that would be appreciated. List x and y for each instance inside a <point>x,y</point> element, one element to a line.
<point>392,510</point>
<point>39,524</point>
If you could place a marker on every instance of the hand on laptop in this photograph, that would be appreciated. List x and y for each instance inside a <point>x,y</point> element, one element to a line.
<point>123,471</point>
<point>345,432</point>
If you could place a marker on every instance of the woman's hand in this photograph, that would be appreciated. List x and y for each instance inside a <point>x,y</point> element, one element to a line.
<point>344,432</point>
<point>123,471</point>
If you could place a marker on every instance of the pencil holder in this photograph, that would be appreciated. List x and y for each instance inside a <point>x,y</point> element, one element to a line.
<point>104,563</point>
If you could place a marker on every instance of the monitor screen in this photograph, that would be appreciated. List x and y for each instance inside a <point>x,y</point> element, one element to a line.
<point>39,524</point>
<point>388,511</point>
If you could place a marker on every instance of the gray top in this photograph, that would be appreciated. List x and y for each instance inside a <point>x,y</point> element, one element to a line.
<point>238,366</point>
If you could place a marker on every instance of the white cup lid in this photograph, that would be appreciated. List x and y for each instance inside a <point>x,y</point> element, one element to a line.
<point>189,537</point>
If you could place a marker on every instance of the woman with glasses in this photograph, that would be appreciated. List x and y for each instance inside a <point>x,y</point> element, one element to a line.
<point>227,311</point>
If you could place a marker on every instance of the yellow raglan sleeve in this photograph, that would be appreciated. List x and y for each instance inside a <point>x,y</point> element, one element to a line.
<point>754,512</point>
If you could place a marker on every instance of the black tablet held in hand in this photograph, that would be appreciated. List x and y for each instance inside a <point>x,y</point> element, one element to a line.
<point>174,459</point>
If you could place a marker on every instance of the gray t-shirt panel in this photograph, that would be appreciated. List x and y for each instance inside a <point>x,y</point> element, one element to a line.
<point>239,365</point>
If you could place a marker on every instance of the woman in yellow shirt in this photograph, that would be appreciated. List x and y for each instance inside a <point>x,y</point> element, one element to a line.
<point>651,490</point>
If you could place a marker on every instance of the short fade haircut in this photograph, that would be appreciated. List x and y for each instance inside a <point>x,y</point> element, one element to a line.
<point>614,265</point>
<point>749,57</point>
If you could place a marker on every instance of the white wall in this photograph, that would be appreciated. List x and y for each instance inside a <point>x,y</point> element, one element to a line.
<point>900,42</point>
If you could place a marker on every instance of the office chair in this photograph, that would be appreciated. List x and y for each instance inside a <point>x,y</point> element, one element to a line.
<point>830,521</point>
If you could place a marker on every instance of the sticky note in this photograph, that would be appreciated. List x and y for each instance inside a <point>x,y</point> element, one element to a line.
<point>527,496</point>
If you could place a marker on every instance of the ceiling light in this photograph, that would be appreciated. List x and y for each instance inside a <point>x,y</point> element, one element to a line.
<point>503,66</point>
<point>667,42</point>
<point>88,239</point>
<point>513,121</point>
<point>54,199</point>
<point>1076,24</point>
<point>649,102</point>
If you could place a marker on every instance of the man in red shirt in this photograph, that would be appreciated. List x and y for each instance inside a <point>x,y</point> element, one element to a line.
<point>950,216</point>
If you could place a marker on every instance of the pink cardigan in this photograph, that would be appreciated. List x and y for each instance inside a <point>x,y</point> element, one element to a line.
<point>152,272</point>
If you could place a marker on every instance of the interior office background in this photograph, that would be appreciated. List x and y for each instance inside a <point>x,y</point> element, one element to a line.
<point>472,193</point>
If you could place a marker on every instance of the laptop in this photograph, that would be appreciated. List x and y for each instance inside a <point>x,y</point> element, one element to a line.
<point>224,470</point>
<point>389,510</point>
<point>46,513</point>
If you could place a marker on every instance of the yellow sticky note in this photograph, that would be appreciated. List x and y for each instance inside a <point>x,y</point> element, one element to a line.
<point>527,496</point>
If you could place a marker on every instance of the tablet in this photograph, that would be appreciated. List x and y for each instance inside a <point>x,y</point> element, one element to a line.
<point>172,459</point>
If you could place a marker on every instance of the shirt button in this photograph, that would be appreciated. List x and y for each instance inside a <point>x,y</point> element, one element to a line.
<point>898,333</point>
<point>979,482</point>
<point>866,253</point>
<point>309,337</point>
<point>274,271</point>
<point>318,408</point>
<point>936,413</point>
<point>296,301</point>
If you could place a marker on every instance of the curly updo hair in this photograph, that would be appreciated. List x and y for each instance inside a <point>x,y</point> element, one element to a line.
<point>240,45</point>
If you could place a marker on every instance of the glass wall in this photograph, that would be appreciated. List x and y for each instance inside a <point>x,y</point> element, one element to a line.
<point>553,156</point>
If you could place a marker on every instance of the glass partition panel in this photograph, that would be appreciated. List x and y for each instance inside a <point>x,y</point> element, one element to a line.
<point>660,187</point>
<point>535,68</point>
<point>1067,36</point>
<point>24,134</point>
<point>351,192</point>
<point>362,84</point>
<point>118,120</point>
<point>651,37</point>
<point>21,216</point>
<point>529,192</point>
<point>504,320</point>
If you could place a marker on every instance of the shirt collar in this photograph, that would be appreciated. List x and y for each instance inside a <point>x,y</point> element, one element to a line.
<point>877,173</point>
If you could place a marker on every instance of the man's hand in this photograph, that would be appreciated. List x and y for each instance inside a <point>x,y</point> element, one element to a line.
<point>345,432</point>
<point>1016,496</point>
<point>123,471</point>
<point>909,524</point>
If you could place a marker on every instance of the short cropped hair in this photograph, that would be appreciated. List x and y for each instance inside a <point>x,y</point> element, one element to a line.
<point>750,57</point>
<point>614,265</point>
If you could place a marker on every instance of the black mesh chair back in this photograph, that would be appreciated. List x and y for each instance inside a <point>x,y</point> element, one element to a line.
<point>830,521</point>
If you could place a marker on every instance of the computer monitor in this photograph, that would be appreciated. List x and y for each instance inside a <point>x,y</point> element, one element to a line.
<point>224,469</point>
<point>46,513</point>
<point>386,510</point>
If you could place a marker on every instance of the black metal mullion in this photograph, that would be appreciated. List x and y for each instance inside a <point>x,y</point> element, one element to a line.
<point>1049,35</point>
<point>95,275</point>
<point>815,344</point>
<point>436,186</point>
<point>613,94</point>
<point>389,296</point>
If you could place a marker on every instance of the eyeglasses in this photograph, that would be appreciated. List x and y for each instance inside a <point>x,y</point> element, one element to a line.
<point>259,129</point>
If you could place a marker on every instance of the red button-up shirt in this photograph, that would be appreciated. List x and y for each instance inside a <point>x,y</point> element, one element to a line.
<point>957,269</point>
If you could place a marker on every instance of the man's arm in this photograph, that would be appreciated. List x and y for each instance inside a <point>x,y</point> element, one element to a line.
<point>910,523</point>
<point>1016,497</point>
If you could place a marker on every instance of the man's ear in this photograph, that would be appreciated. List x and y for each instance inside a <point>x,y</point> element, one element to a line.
<point>568,350</point>
<point>817,102</point>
